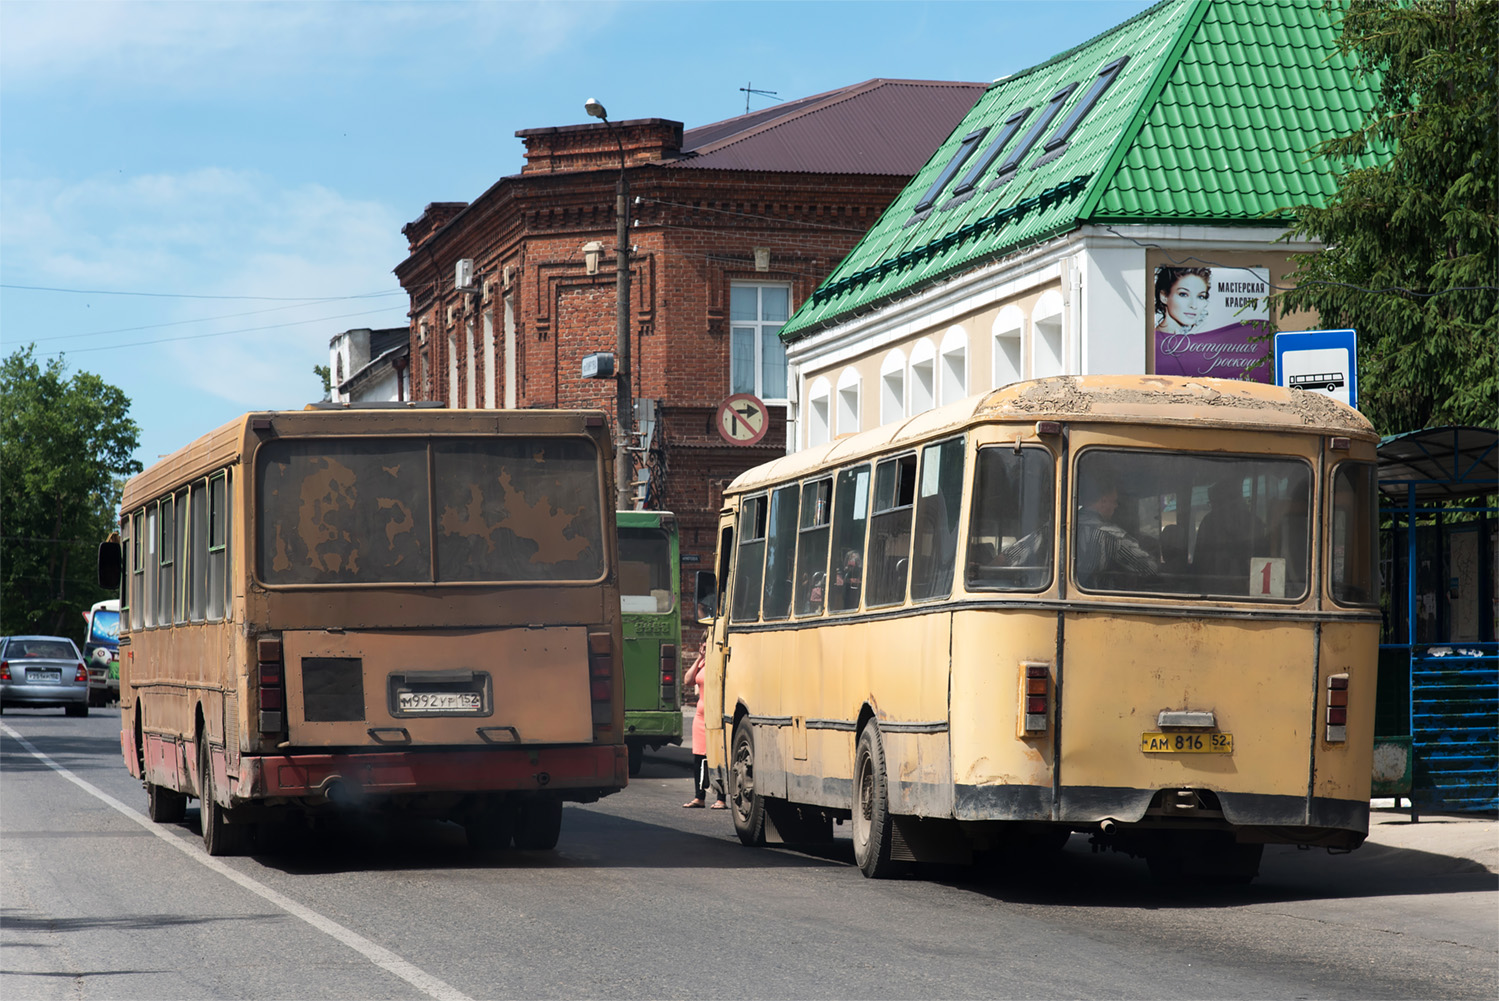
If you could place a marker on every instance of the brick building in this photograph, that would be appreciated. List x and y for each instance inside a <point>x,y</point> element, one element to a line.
<point>734,225</point>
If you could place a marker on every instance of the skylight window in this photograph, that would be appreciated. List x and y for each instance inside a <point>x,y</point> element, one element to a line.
<point>1057,144</point>
<point>1011,166</point>
<point>970,143</point>
<point>1006,133</point>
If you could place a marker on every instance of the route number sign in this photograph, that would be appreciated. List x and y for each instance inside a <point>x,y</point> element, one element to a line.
<point>743,419</point>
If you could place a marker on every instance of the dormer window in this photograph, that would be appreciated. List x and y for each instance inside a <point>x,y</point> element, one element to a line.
<point>969,144</point>
<point>1057,144</point>
<point>1011,166</point>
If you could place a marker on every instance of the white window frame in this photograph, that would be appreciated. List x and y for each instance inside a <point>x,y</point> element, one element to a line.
<point>850,402</point>
<point>819,413</point>
<point>952,366</point>
<point>921,392</point>
<point>893,387</point>
<point>1008,362</point>
<point>1048,349</point>
<point>759,326</point>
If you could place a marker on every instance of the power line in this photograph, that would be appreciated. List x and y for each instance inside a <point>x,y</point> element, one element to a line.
<point>223,333</point>
<point>184,295</point>
<point>207,319</point>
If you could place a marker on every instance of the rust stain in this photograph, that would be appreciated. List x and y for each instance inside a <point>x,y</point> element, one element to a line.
<point>542,523</point>
<point>327,492</point>
<point>471,522</point>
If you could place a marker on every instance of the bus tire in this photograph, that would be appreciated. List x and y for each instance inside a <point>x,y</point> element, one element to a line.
<point>747,805</point>
<point>491,831</point>
<point>637,757</point>
<point>871,820</point>
<point>220,838</point>
<point>79,710</point>
<point>538,825</point>
<point>163,805</point>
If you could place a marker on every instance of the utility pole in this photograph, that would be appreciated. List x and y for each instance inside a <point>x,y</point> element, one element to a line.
<point>624,466</point>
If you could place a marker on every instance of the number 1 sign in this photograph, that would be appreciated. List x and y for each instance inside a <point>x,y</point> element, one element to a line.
<point>1267,576</point>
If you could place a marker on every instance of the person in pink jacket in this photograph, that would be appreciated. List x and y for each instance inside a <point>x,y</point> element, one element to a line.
<point>694,676</point>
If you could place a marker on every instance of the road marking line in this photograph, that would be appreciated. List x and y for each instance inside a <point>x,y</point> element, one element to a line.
<point>377,954</point>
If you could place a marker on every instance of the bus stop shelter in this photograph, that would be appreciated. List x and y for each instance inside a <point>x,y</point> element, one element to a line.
<point>1437,714</point>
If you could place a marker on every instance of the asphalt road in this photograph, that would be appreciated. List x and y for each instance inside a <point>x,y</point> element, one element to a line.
<point>643,899</point>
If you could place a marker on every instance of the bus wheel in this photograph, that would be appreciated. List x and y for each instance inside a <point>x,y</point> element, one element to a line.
<point>163,805</point>
<point>219,836</point>
<point>871,820</point>
<point>637,756</point>
<point>747,806</point>
<point>538,825</point>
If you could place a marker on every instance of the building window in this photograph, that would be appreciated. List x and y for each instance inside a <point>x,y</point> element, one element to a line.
<point>954,365</point>
<point>893,387</point>
<point>923,377</point>
<point>819,413</point>
<point>1009,329</point>
<point>848,401</point>
<point>757,356</point>
<point>1046,328</point>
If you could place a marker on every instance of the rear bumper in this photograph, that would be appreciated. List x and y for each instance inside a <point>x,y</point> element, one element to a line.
<point>583,773</point>
<point>664,726</point>
<point>23,695</point>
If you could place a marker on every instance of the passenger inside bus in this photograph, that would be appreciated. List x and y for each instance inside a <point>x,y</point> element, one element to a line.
<point>1226,536</point>
<point>1107,555</point>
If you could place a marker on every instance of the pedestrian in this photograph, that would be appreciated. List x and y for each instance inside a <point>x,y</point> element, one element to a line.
<point>694,676</point>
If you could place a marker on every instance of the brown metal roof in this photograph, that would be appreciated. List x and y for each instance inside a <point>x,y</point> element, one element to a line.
<point>876,127</point>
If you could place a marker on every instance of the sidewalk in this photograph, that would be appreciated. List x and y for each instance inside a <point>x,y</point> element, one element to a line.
<point>1461,836</point>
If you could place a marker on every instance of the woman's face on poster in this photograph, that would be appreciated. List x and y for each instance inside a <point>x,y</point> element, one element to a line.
<point>1186,303</point>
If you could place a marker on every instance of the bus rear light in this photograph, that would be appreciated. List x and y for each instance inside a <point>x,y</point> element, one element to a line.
<point>270,684</point>
<point>668,672</point>
<point>601,678</point>
<point>1337,708</point>
<point>1035,697</point>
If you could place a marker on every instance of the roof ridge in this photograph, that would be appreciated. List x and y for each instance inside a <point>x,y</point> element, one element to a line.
<point>1147,12</point>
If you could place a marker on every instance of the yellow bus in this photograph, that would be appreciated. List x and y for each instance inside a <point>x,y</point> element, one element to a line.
<point>399,608</point>
<point>1141,608</point>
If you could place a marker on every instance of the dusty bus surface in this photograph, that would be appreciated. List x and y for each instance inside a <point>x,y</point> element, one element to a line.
<point>1140,608</point>
<point>402,609</point>
<point>650,597</point>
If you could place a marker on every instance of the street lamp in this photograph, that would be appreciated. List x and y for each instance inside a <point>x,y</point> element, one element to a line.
<point>624,404</point>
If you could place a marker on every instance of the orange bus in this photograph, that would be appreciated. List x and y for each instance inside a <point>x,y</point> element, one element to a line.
<point>399,608</point>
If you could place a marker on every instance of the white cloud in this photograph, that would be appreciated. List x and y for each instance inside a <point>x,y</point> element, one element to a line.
<point>212,47</point>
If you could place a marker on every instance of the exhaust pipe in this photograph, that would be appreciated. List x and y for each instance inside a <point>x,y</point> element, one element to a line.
<point>1107,826</point>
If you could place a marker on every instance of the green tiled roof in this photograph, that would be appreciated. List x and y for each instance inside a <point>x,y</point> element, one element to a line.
<point>1211,119</point>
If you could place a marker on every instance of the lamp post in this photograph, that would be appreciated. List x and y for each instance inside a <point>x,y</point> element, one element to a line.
<point>624,403</point>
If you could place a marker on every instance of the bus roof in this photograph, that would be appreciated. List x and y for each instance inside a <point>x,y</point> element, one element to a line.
<point>224,445</point>
<point>1134,399</point>
<point>643,519</point>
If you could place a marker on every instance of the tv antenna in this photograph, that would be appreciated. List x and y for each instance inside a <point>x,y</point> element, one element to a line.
<point>748,89</point>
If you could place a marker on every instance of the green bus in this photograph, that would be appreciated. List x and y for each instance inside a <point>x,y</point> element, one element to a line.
<point>650,603</point>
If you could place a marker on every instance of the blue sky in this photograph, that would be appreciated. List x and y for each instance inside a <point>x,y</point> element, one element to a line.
<point>244,169</point>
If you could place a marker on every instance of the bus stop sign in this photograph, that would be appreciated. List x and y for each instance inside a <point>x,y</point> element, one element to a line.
<point>1319,361</point>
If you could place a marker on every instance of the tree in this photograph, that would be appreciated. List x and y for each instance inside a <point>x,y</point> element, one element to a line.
<point>1411,258</point>
<point>63,444</point>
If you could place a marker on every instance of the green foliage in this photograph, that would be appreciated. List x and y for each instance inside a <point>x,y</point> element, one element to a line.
<point>322,372</point>
<point>1421,222</point>
<point>63,444</point>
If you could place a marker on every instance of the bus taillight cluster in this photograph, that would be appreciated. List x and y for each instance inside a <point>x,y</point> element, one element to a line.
<point>1337,708</point>
<point>272,693</point>
<point>601,678</point>
<point>1035,696</point>
<point>668,672</point>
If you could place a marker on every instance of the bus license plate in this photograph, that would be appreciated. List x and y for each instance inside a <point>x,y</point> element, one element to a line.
<point>1187,743</point>
<point>437,702</point>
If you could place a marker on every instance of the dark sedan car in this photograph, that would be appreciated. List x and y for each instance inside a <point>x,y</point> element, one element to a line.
<point>41,672</point>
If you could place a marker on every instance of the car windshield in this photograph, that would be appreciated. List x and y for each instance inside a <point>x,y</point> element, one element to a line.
<point>40,649</point>
<point>1209,525</point>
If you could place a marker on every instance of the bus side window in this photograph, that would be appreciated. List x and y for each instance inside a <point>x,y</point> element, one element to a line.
<point>850,512</point>
<point>890,531</point>
<point>812,546</point>
<point>937,503</point>
<point>749,562</point>
<point>779,553</point>
<point>1012,523</point>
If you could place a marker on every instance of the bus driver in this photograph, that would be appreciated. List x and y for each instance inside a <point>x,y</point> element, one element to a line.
<point>1103,548</point>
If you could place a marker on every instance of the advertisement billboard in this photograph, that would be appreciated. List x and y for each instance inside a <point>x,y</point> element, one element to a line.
<point>1212,321</point>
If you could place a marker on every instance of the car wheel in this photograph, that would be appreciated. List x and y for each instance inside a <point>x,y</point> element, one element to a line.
<point>745,803</point>
<point>220,837</point>
<point>871,820</point>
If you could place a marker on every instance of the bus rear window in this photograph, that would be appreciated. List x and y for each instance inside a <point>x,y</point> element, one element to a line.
<point>365,511</point>
<point>1192,524</point>
<point>1355,543</point>
<point>644,570</point>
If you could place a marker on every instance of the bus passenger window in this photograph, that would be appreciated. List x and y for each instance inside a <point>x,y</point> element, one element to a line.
<point>850,512</point>
<point>937,502</point>
<point>1012,523</point>
<point>749,563</point>
<point>812,546</point>
<point>1354,538</point>
<point>779,552</point>
<point>890,531</point>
